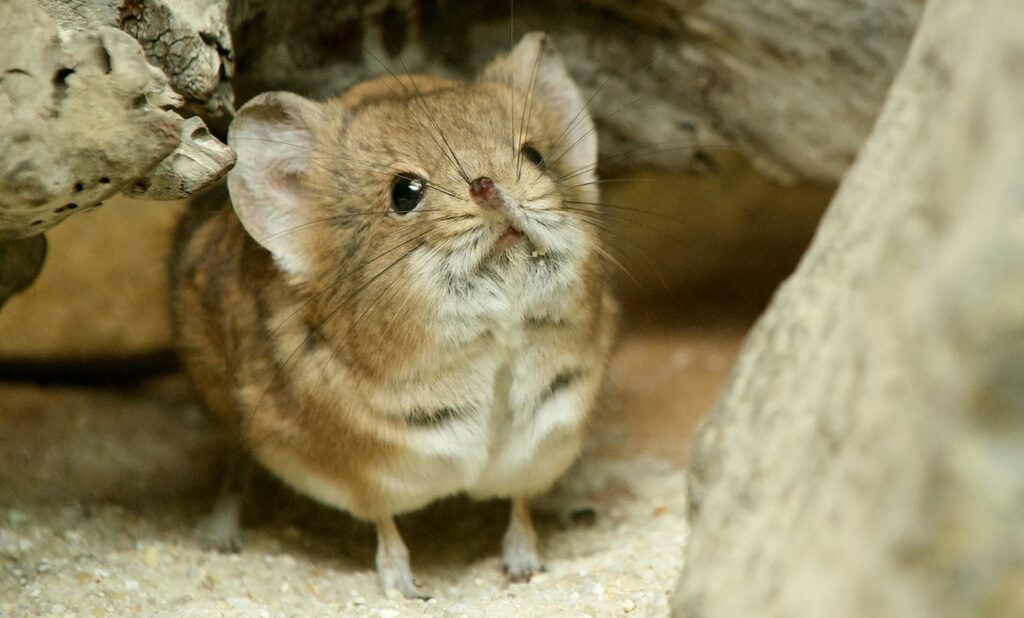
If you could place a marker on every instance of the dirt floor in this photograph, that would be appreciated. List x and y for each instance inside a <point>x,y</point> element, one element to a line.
<point>100,491</point>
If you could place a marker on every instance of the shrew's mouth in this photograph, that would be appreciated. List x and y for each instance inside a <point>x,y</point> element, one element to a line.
<point>512,237</point>
<point>509,237</point>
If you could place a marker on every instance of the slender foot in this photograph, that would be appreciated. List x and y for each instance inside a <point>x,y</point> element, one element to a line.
<point>393,562</point>
<point>221,530</point>
<point>519,547</point>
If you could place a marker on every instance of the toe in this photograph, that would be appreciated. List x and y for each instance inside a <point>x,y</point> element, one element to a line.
<point>214,540</point>
<point>522,572</point>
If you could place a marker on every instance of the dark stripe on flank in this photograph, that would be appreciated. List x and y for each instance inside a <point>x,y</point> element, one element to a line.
<point>432,418</point>
<point>543,321</point>
<point>562,381</point>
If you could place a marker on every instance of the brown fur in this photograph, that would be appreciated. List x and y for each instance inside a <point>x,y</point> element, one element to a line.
<point>314,343</point>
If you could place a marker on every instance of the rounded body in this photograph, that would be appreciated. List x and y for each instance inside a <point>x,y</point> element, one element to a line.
<point>484,388</point>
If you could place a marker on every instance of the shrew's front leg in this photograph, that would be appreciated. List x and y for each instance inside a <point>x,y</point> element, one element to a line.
<point>221,530</point>
<point>519,547</point>
<point>393,569</point>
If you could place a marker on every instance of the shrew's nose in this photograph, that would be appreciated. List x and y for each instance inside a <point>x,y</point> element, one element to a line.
<point>483,191</point>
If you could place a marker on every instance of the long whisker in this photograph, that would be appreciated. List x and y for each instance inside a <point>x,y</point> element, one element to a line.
<point>512,76</point>
<point>355,323</point>
<point>423,104</point>
<point>624,180</point>
<point>640,152</point>
<point>407,238</point>
<point>391,172</point>
<point>579,114</point>
<point>569,148</point>
<point>449,154</point>
<point>652,263</point>
<point>619,220</point>
<point>309,148</point>
<point>625,208</point>
<point>578,117</point>
<point>367,165</point>
<point>611,258</point>
<point>330,314</point>
<point>524,122</point>
<point>331,219</point>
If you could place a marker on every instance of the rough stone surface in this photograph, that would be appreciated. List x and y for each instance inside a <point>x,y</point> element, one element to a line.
<point>190,41</point>
<point>199,160</point>
<point>866,458</point>
<point>794,84</point>
<point>187,39</point>
<point>83,115</point>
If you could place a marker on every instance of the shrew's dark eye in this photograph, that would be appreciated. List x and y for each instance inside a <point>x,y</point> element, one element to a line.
<point>407,192</point>
<point>533,156</point>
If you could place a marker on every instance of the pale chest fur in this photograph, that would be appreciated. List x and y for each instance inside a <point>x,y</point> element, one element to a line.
<point>495,407</point>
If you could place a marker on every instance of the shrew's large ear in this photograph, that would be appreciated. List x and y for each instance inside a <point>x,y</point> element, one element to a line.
<point>552,85</point>
<point>273,135</point>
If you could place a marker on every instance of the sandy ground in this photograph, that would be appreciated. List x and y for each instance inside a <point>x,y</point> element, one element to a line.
<point>100,491</point>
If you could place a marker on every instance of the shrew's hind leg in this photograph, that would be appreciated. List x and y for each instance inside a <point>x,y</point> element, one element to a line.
<point>221,530</point>
<point>393,569</point>
<point>519,547</point>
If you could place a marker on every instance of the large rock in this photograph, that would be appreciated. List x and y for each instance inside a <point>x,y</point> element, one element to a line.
<point>866,458</point>
<point>83,115</point>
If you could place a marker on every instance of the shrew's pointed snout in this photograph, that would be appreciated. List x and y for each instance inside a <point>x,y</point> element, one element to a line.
<point>484,192</point>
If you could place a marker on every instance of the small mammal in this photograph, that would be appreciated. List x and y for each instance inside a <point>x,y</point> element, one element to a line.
<point>406,300</point>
